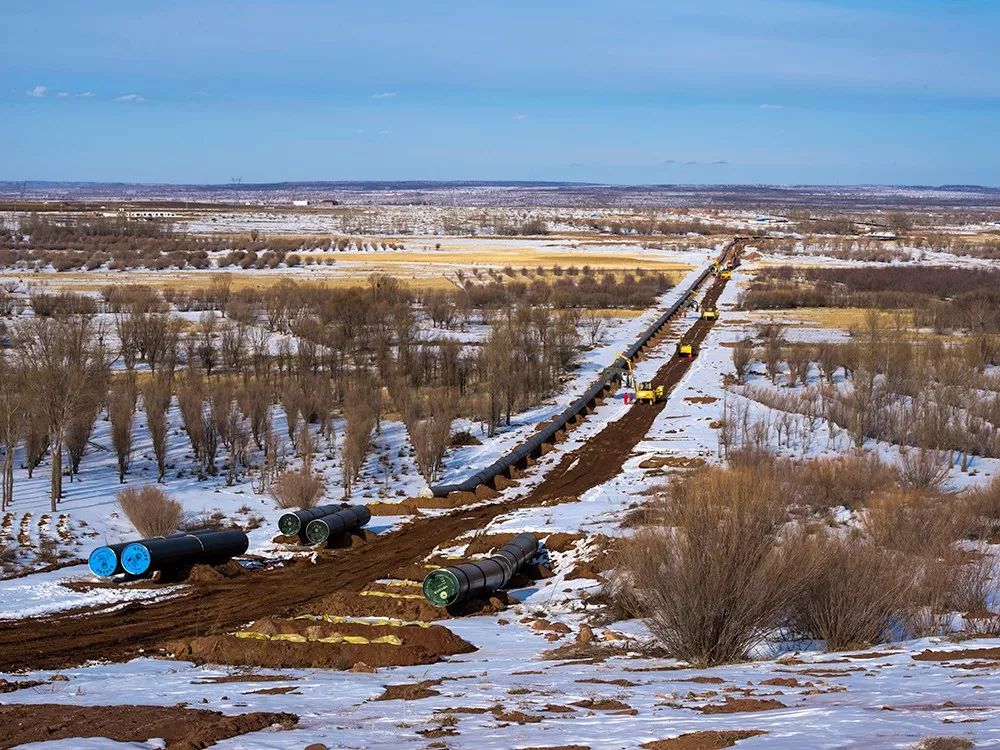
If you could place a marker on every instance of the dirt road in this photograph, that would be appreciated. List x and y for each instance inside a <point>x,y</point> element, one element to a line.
<point>70,638</point>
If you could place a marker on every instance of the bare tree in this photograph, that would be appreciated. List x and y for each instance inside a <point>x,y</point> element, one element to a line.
<point>359,419</point>
<point>156,400</point>
<point>121,413</point>
<point>13,414</point>
<point>742,356</point>
<point>62,363</point>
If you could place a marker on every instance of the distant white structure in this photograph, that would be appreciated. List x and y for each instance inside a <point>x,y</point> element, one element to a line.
<point>300,203</point>
<point>140,214</point>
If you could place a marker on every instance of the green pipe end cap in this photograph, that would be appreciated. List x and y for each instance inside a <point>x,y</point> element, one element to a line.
<point>289,524</point>
<point>441,588</point>
<point>317,532</point>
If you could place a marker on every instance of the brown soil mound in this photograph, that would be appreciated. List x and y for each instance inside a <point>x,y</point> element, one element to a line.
<point>559,541</point>
<point>182,728</point>
<point>402,508</point>
<point>226,649</point>
<point>607,704</point>
<point>964,653</point>
<point>215,573</point>
<point>743,705</point>
<point>410,691</point>
<point>703,740</point>
<point>9,687</point>
<point>399,646</point>
<point>785,682</point>
<point>412,610</point>
<point>673,462</point>
<point>433,637</point>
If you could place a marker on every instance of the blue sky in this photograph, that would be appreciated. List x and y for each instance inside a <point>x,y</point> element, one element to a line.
<point>664,91</point>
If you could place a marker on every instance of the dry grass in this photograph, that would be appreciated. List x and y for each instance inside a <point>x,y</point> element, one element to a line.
<point>150,510</point>
<point>918,523</point>
<point>849,481</point>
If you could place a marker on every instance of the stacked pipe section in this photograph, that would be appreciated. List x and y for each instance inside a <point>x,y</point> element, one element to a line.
<point>294,522</point>
<point>476,580</point>
<point>559,422</point>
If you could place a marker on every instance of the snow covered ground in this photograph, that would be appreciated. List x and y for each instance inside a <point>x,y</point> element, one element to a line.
<point>604,689</point>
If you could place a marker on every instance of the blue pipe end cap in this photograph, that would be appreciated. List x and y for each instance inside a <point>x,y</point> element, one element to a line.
<point>103,562</point>
<point>136,559</point>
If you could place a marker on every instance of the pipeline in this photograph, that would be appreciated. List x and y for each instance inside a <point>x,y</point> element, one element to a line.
<point>294,522</point>
<point>447,586</point>
<point>532,446</point>
<point>344,520</point>
<point>204,547</point>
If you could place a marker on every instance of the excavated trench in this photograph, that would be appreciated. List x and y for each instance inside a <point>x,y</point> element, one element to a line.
<point>214,609</point>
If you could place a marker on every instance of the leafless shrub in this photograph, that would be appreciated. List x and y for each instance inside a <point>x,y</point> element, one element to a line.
<point>923,469</point>
<point>857,589</point>
<point>714,580</point>
<point>300,488</point>
<point>150,510</point>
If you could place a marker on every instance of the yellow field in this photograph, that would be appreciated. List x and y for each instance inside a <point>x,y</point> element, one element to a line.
<point>831,317</point>
<point>419,269</point>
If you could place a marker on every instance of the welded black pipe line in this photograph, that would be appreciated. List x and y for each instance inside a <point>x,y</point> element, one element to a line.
<point>485,476</point>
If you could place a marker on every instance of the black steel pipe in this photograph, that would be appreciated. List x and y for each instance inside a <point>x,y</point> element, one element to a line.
<point>294,522</point>
<point>447,586</point>
<point>203,547</point>
<point>319,530</point>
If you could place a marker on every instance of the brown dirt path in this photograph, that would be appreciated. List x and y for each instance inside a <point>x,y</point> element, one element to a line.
<point>209,608</point>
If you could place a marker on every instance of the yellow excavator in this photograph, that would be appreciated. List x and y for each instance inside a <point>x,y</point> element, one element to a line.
<point>710,313</point>
<point>645,392</point>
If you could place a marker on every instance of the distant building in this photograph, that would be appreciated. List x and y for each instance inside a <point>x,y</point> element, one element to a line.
<point>300,203</point>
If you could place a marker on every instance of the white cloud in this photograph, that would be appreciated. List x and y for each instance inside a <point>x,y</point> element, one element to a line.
<point>86,93</point>
<point>520,117</point>
<point>384,95</point>
<point>38,91</point>
<point>772,106</point>
<point>383,132</point>
<point>130,98</point>
<point>62,94</point>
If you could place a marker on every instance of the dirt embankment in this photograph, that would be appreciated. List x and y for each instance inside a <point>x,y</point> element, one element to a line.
<point>182,728</point>
<point>213,608</point>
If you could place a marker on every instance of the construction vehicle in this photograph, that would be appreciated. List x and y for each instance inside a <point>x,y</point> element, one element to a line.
<point>709,313</point>
<point>687,349</point>
<point>646,392</point>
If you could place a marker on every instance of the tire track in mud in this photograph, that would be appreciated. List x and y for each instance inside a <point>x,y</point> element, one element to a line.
<point>69,638</point>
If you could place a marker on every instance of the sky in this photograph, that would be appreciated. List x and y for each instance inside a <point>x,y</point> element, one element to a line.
<point>650,92</point>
